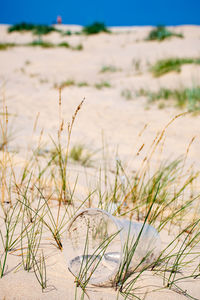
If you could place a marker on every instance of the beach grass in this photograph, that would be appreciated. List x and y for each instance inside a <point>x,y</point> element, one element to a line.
<point>41,43</point>
<point>161,33</point>
<point>127,94</point>
<point>64,44</point>
<point>82,84</point>
<point>164,66</point>
<point>64,84</point>
<point>5,46</point>
<point>42,189</point>
<point>95,28</point>
<point>42,29</point>
<point>188,98</point>
<point>71,82</point>
<point>109,69</point>
<point>35,29</point>
<point>79,153</point>
<point>174,258</point>
<point>78,47</point>
<point>163,198</point>
<point>67,32</point>
<point>102,84</point>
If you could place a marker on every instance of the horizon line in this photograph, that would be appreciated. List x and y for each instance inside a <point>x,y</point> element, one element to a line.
<point>109,26</point>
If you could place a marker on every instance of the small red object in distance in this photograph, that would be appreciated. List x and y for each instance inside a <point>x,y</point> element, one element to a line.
<point>59,20</point>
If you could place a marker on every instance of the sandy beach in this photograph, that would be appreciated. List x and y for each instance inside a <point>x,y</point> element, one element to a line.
<point>113,119</point>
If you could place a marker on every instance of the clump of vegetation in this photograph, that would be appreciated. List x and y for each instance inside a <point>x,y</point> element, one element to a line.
<point>109,68</point>
<point>137,65</point>
<point>64,45</point>
<point>79,154</point>
<point>82,84</point>
<point>95,28</point>
<point>44,29</point>
<point>71,82</point>
<point>7,133</point>
<point>188,97</point>
<point>161,33</point>
<point>41,43</point>
<point>27,62</point>
<point>21,27</point>
<point>5,46</point>
<point>127,94</point>
<point>79,47</point>
<point>43,80</point>
<point>68,32</point>
<point>67,83</point>
<point>164,197</point>
<point>164,66</point>
<point>36,29</point>
<point>103,84</point>
<point>157,201</point>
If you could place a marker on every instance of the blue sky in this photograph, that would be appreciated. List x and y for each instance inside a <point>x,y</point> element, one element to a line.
<point>112,13</point>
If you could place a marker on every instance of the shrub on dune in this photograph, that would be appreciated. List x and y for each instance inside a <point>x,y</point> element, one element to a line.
<point>161,33</point>
<point>95,28</point>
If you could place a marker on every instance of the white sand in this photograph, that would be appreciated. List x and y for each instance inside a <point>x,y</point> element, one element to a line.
<point>28,76</point>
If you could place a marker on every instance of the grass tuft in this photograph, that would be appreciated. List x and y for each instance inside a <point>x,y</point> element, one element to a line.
<point>161,33</point>
<point>82,84</point>
<point>71,82</point>
<point>37,202</point>
<point>79,154</point>
<point>184,98</point>
<point>68,32</point>
<point>5,46</point>
<point>41,43</point>
<point>165,66</point>
<point>95,28</point>
<point>64,44</point>
<point>35,29</point>
<point>127,94</point>
<point>79,47</point>
<point>109,69</point>
<point>64,84</point>
<point>103,84</point>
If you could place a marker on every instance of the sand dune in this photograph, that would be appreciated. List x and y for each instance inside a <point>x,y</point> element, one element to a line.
<point>28,76</point>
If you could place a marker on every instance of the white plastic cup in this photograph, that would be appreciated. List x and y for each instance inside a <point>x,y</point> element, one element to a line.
<point>96,244</point>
